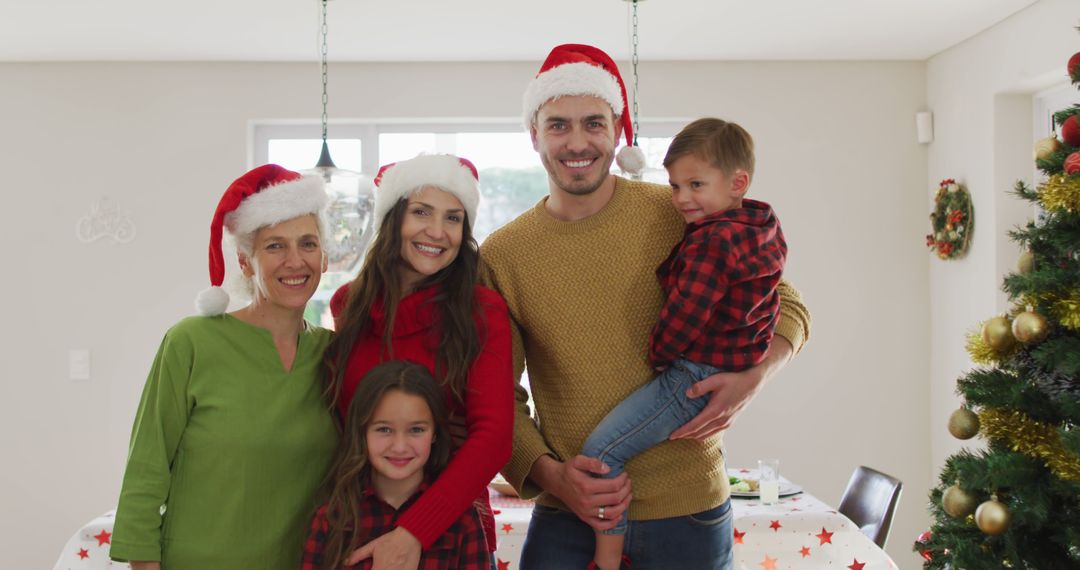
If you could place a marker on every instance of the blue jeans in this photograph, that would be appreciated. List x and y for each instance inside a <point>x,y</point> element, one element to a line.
<point>558,540</point>
<point>646,418</point>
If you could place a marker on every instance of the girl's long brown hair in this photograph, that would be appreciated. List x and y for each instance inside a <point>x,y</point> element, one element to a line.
<point>350,472</point>
<point>379,279</point>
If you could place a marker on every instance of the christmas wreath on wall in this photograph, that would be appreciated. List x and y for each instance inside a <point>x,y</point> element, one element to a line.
<point>952,221</point>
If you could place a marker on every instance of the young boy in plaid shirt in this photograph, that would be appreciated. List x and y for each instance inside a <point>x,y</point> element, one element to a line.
<point>721,302</point>
<point>395,439</point>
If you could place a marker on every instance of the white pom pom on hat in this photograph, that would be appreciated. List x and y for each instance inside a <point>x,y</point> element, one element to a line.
<point>263,196</point>
<point>578,69</point>
<point>631,159</point>
<point>212,301</point>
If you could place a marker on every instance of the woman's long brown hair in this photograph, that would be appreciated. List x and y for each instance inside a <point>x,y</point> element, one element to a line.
<point>379,279</point>
<point>350,473</point>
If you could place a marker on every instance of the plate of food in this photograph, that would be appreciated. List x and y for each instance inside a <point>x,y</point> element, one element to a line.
<point>500,484</point>
<point>746,487</point>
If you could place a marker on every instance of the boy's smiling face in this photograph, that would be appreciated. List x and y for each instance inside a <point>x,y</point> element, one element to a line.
<point>699,189</point>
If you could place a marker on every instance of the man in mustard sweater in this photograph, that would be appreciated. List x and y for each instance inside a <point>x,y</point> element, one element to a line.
<point>577,273</point>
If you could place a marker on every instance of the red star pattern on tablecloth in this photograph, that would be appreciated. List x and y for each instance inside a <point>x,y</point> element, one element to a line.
<point>103,537</point>
<point>503,564</point>
<point>739,536</point>
<point>507,528</point>
<point>825,536</point>
<point>84,553</point>
<point>804,551</point>
<point>857,565</point>
<point>775,526</point>
<point>768,563</point>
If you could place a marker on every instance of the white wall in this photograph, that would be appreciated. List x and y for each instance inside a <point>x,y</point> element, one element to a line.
<point>837,158</point>
<point>980,93</point>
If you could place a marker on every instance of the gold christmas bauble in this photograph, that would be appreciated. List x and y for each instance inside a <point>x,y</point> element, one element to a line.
<point>992,517</point>
<point>1046,147</point>
<point>1030,327</point>
<point>964,424</point>
<point>1026,263</point>
<point>957,502</point>
<point>997,333</point>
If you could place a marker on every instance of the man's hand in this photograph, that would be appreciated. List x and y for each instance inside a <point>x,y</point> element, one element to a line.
<point>395,550</point>
<point>145,565</point>
<point>731,392</point>
<point>573,483</point>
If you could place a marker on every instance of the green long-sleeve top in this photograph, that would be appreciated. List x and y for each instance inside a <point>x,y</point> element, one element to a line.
<point>227,451</point>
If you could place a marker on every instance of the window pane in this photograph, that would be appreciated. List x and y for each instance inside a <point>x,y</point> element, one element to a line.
<point>512,179</point>
<point>395,147</point>
<point>302,154</point>
<point>506,150</point>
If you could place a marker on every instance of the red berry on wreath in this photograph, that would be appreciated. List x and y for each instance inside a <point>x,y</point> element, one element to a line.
<point>1074,67</point>
<point>1070,131</point>
<point>1072,163</point>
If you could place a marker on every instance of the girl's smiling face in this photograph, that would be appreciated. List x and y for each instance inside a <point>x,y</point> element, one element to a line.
<point>399,438</point>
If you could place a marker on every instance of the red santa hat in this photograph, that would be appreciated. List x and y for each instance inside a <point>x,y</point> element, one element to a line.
<point>453,174</point>
<point>264,196</point>
<point>576,69</point>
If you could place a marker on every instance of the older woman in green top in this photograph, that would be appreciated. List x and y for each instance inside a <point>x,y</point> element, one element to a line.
<point>232,437</point>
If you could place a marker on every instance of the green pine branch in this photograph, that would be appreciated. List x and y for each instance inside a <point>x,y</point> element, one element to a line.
<point>1060,354</point>
<point>1042,524</point>
<point>1063,115</point>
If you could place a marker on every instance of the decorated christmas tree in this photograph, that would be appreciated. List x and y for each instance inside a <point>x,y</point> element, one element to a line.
<point>1016,503</point>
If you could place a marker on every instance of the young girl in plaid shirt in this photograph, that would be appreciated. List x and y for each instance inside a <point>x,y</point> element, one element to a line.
<point>721,302</point>
<point>396,439</point>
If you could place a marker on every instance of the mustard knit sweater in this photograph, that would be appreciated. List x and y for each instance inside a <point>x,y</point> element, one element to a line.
<point>583,297</point>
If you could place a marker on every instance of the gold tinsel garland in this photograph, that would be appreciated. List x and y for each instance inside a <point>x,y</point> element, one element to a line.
<point>1032,438</point>
<point>1061,192</point>
<point>982,353</point>
<point>1067,311</point>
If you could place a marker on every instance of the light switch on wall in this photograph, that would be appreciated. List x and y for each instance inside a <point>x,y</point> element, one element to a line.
<point>79,364</point>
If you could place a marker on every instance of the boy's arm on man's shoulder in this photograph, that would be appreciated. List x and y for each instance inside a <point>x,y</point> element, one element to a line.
<point>794,322</point>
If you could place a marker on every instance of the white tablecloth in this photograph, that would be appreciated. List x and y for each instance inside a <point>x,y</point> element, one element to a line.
<point>799,532</point>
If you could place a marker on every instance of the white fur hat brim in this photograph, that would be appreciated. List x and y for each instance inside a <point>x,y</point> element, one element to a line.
<point>442,171</point>
<point>571,79</point>
<point>277,203</point>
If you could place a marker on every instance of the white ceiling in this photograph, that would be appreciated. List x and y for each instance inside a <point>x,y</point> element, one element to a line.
<point>488,30</point>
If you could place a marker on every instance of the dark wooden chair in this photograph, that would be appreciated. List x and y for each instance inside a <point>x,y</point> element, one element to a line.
<point>870,502</point>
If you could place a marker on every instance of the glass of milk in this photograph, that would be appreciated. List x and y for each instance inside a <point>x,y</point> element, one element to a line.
<point>769,480</point>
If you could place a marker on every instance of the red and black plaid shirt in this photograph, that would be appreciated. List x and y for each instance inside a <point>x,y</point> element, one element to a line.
<point>461,547</point>
<point>720,283</point>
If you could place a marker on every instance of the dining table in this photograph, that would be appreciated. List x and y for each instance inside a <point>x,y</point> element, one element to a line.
<point>799,531</point>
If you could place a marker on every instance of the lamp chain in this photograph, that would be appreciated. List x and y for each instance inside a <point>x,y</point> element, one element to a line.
<point>634,62</point>
<point>325,99</point>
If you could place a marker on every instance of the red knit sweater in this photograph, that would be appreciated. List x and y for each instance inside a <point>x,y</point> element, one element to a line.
<point>488,409</point>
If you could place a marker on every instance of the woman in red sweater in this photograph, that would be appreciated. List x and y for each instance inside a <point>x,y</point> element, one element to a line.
<point>417,298</point>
